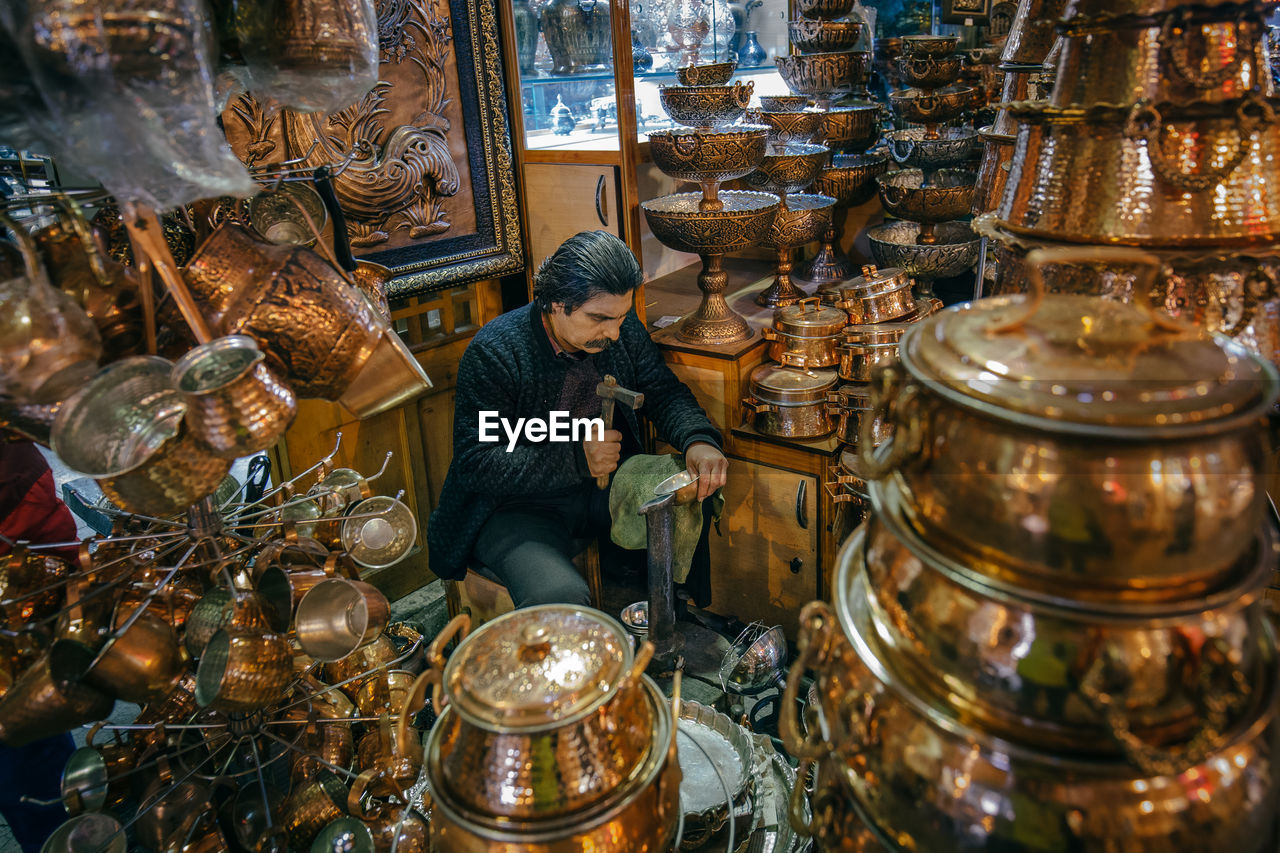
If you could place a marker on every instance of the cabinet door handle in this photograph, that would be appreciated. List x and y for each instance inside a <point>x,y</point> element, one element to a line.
<point>802,506</point>
<point>600,214</point>
<point>797,563</point>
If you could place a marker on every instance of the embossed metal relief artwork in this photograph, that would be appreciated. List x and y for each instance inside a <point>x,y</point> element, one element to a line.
<point>429,190</point>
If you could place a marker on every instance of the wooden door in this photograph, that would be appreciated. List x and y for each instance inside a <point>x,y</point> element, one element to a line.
<point>764,566</point>
<point>564,199</point>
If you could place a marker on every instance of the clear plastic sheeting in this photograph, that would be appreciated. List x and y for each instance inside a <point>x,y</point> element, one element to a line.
<point>127,89</point>
<point>308,55</point>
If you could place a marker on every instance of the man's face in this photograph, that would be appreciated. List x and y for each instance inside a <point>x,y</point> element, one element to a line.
<point>594,325</point>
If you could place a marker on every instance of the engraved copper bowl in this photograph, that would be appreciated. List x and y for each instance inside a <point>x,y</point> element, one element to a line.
<point>919,107</point>
<point>711,74</point>
<point>825,75</point>
<point>849,178</point>
<point>850,130</point>
<point>786,127</point>
<point>678,223</point>
<point>913,149</point>
<point>706,106</point>
<point>937,46</point>
<point>800,222</point>
<point>1212,61</point>
<point>1204,181</point>
<point>824,9</point>
<point>930,72</point>
<point>894,245</point>
<point>709,155</point>
<point>925,605</point>
<point>281,216</point>
<point>819,36</point>
<point>784,103</point>
<point>125,429</point>
<point>948,194</point>
<point>787,168</point>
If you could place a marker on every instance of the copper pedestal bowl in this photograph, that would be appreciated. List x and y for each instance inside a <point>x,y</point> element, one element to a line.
<point>711,74</point>
<point>850,130</point>
<point>787,168</point>
<point>799,220</point>
<point>825,75</point>
<point>784,103</point>
<point>679,222</point>
<point>947,195</point>
<point>930,108</point>
<point>912,149</point>
<point>818,36</point>
<point>706,106</point>
<point>930,72</point>
<point>708,157</point>
<point>788,126</point>
<point>849,181</point>
<point>929,46</point>
<point>894,245</point>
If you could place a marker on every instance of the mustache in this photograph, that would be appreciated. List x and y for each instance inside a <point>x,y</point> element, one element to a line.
<point>599,343</point>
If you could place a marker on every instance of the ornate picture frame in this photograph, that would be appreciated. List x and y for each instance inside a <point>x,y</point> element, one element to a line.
<point>423,165</point>
<point>970,12</point>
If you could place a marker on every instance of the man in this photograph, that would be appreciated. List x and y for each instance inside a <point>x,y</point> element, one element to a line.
<point>516,505</point>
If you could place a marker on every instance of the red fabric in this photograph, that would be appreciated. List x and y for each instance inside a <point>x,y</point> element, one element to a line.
<point>29,506</point>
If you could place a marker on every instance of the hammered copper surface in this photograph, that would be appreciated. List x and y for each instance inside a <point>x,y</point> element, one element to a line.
<point>808,420</point>
<point>1016,88</point>
<point>947,195</point>
<point>878,725</point>
<point>1147,180</point>
<point>1032,672</point>
<point>39,705</point>
<point>785,127</point>
<point>913,150</point>
<point>921,107</point>
<point>787,168</point>
<point>1208,62</point>
<point>32,584</point>
<point>930,72</point>
<point>678,223</point>
<point>825,75</point>
<point>805,334</point>
<point>867,305</point>
<point>706,106</point>
<point>894,245</point>
<point>819,36</point>
<point>140,663</point>
<point>312,805</point>
<point>243,670</point>
<point>850,130</point>
<point>993,171</point>
<point>384,692</point>
<point>859,362</point>
<point>1032,33</point>
<point>710,155</point>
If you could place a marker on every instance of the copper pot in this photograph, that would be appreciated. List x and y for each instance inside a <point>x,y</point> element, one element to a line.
<point>1207,177</point>
<point>852,405</point>
<point>806,333</point>
<point>1170,422</point>
<point>790,402</point>
<point>1107,681</point>
<point>588,735</point>
<point>930,781</point>
<point>876,296</point>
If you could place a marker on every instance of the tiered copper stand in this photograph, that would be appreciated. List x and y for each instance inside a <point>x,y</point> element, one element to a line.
<point>785,170</point>
<point>929,244</point>
<point>710,223</point>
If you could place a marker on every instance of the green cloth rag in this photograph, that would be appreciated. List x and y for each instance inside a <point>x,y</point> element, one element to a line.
<point>633,487</point>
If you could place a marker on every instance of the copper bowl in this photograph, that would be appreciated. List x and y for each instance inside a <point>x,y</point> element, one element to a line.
<point>850,130</point>
<point>709,155</point>
<point>825,75</point>
<point>894,244</point>
<point>706,106</point>
<point>678,222</point>
<point>787,168</point>
<point>819,36</point>
<point>786,127</point>
<point>784,103</point>
<point>930,72</point>
<point>849,178</point>
<point>946,196</point>
<point>913,149</point>
<point>800,222</point>
<point>937,46</point>
<point>711,74</point>
<point>919,107</point>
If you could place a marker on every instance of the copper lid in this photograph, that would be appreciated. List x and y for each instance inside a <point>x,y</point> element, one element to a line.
<point>537,668</point>
<point>809,319</point>
<point>872,282</point>
<point>791,386</point>
<point>1081,363</point>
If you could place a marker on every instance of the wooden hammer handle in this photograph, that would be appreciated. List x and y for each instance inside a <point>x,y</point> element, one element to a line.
<point>606,415</point>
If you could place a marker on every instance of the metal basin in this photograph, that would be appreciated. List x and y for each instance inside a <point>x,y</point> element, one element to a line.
<point>894,245</point>
<point>849,177</point>
<point>850,130</point>
<point>788,168</point>
<point>940,105</point>
<point>700,155</point>
<point>825,74</point>
<point>948,194</point>
<point>706,106</point>
<point>818,36</point>
<point>911,148</point>
<point>678,223</point>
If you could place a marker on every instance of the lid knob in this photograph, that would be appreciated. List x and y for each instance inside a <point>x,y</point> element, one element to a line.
<point>534,643</point>
<point>868,270</point>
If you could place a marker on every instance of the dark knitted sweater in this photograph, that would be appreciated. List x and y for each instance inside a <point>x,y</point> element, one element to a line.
<point>510,367</point>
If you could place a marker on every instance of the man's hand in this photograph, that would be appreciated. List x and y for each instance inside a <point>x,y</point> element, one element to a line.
<point>708,463</point>
<point>602,456</point>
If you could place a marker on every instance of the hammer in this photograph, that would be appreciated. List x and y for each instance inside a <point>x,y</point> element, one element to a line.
<point>610,393</point>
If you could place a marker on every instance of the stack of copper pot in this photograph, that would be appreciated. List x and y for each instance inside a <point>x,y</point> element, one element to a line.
<point>1160,132</point>
<point>1050,636</point>
<point>550,738</point>
<point>930,195</point>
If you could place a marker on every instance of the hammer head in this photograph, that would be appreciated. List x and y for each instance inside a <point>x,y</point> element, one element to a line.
<point>609,389</point>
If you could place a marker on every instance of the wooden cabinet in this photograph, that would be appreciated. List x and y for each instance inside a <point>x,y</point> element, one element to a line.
<point>565,198</point>
<point>764,563</point>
